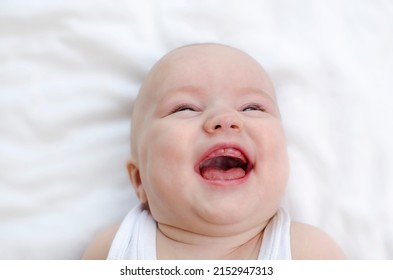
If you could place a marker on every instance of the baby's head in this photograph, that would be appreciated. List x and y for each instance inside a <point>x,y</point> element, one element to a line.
<point>208,148</point>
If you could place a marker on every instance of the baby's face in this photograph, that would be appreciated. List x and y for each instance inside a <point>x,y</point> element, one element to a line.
<point>208,143</point>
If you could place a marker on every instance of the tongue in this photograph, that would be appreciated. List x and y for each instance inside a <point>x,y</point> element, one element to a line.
<point>212,173</point>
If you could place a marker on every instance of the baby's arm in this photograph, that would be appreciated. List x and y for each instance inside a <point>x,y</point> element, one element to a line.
<point>310,243</point>
<point>98,249</point>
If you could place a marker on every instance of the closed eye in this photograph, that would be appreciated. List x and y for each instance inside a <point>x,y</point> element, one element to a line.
<point>253,107</point>
<point>184,107</point>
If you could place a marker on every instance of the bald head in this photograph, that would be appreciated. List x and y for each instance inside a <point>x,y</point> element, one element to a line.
<point>213,66</point>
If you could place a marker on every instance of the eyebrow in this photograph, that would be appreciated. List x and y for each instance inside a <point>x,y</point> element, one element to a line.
<point>257,91</point>
<point>196,90</point>
<point>190,89</point>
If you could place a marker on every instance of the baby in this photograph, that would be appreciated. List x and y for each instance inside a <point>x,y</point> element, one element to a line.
<point>209,165</point>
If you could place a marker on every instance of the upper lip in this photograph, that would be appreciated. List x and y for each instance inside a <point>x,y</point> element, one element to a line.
<point>228,150</point>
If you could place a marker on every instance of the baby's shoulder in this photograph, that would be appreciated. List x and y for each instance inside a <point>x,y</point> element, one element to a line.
<point>309,242</point>
<point>98,248</point>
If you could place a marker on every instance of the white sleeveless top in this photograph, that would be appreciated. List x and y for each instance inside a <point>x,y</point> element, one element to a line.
<point>136,237</point>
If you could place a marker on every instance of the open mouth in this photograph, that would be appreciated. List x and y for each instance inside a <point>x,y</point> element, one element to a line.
<point>225,164</point>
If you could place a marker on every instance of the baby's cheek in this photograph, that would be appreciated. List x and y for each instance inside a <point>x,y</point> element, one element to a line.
<point>276,141</point>
<point>274,156</point>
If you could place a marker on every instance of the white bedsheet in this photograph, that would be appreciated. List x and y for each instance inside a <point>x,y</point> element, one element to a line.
<point>69,71</point>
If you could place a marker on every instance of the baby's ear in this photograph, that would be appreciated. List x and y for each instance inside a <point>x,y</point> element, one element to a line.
<point>135,178</point>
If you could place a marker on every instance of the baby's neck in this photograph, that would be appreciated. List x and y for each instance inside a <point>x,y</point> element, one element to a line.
<point>174,243</point>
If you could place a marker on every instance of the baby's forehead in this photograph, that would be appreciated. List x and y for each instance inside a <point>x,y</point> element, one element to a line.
<point>192,63</point>
<point>203,54</point>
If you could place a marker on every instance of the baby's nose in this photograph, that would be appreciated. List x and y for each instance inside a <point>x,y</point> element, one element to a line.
<point>227,121</point>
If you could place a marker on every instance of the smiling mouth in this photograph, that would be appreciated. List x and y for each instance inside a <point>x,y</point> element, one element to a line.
<point>225,164</point>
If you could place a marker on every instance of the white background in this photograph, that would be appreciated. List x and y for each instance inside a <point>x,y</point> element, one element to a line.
<point>69,71</point>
